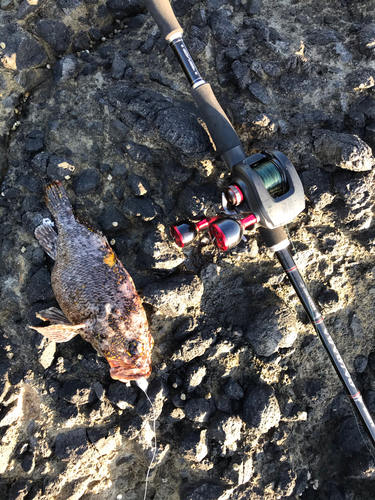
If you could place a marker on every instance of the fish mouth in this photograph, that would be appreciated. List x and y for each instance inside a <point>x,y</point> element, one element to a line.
<point>125,372</point>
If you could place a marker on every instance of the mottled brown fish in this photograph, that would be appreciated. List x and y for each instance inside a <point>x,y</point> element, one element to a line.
<point>96,294</point>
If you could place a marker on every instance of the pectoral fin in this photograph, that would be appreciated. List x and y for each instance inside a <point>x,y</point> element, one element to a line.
<point>59,333</point>
<point>54,315</point>
<point>47,238</point>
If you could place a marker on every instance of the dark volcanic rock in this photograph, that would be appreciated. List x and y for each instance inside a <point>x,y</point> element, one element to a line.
<point>58,168</point>
<point>66,68</point>
<point>70,445</point>
<point>22,51</point>
<point>55,33</point>
<point>144,208</point>
<point>131,427</point>
<point>222,28</point>
<point>253,6</point>
<point>348,437</point>
<point>316,183</point>
<point>259,93</point>
<point>34,142</point>
<point>233,389</point>
<point>138,185</point>
<point>194,201</point>
<point>119,66</point>
<point>91,95</point>
<point>121,395</point>
<point>86,182</point>
<point>112,220</point>
<point>77,392</point>
<point>206,492</point>
<point>20,489</point>
<point>271,329</point>
<point>194,376</point>
<point>261,409</point>
<point>343,150</point>
<point>194,446</point>
<point>226,430</point>
<point>118,131</point>
<point>157,392</point>
<point>122,8</point>
<point>40,287</point>
<point>175,294</point>
<point>137,152</point>
<point>196,345</point>
<point>28,462</point>
<point>157,251</point>
<point>198,410</point>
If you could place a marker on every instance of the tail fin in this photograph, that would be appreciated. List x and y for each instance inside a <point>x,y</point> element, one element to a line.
<point>57,200</point>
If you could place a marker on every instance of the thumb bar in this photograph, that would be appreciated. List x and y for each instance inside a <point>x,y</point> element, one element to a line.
<point>164,17</point>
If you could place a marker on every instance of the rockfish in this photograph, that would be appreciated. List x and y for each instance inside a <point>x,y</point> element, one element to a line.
<point>96,294</point>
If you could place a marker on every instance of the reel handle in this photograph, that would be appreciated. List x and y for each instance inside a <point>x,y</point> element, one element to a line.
<point>164,17</point>
<point>185,232</point>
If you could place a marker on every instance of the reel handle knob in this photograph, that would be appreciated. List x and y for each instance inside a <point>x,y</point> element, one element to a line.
<point>183,233</point>
<point>227,233</point>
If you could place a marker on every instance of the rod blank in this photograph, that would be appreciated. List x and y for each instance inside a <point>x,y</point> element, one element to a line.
<point>316,319</point>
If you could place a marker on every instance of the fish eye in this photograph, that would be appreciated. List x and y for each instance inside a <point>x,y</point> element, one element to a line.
<point>132,348</point>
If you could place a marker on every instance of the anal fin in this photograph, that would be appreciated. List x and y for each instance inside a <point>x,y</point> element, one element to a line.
<point>47,238</point>
<point>59,333</point>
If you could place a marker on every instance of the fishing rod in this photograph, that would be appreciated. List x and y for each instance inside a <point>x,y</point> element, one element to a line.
<point>265,192</point>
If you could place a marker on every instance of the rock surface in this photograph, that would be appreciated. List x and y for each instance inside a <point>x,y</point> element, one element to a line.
<point>246,400</point>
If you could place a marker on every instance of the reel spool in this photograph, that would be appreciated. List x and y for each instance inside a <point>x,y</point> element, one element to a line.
<point>273,178</point>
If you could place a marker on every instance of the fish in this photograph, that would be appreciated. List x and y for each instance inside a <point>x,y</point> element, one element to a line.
<point>96,294</point>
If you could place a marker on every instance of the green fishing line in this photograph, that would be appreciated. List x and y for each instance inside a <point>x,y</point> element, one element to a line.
<point>271,177</point>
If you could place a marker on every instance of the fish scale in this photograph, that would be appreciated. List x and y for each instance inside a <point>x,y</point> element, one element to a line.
<point>95,292</point>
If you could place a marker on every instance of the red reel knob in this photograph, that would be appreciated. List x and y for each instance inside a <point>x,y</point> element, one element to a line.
<point>226,233</point>
<point>183,233</point>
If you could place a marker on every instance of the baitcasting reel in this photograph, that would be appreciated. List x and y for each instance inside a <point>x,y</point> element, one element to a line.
<point>265,190</point>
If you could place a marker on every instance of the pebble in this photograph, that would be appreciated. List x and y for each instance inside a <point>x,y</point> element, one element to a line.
<point>144,208</point>
<point>112,220</point>
<point>139,186</point>
<point>194,446</point>
<point>40,287</point>
<point>198,410</point>
<point>86,181</point>
<point>261,408</point>
<point>121,395</point>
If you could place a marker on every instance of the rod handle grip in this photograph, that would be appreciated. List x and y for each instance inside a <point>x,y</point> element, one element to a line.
<point>221,131</point>
<point>164,17</point>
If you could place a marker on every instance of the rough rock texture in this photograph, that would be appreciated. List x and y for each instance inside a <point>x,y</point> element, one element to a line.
<point>247,403</point>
